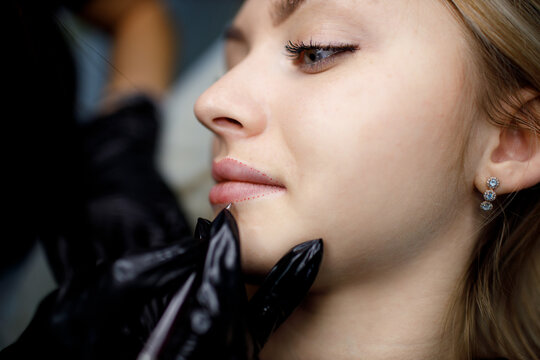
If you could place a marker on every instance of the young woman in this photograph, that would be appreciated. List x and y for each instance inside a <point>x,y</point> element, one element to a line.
<point>382,126</point>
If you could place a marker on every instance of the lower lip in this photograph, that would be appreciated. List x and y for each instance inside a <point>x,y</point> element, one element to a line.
<point>236,191</point>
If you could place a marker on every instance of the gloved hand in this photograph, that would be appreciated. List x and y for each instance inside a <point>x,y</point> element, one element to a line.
<point>129,204</point>
<point>111,314</point>
<point>210,318</point>
<point>122,202</point>
<point>108,315</point>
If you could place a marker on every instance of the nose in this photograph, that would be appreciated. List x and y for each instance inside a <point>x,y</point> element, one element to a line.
<point>232,107</point>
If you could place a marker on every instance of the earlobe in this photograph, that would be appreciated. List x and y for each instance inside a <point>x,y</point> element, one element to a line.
<point>514,158</point>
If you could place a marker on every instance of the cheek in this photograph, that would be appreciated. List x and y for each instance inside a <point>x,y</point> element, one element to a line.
<point>375,154</point>
<point>376,131</point>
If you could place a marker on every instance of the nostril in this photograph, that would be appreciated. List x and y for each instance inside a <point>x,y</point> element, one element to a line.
<point>227,122</point>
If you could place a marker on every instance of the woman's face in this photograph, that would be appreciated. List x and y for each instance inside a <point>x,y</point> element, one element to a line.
<point>353,133</point>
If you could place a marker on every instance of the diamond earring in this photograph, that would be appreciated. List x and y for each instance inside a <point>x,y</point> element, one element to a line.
<point>490,195</point>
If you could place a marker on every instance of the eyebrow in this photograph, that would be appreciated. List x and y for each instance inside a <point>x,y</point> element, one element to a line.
<point>282,9</point>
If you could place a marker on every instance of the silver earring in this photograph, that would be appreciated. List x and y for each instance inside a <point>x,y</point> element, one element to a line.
<point>490,195</point>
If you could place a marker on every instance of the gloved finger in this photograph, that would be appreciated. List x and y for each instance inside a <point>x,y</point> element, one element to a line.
<point>202,229</point>
<point>162,267</point>
<point>211,325</point>
<point>131,281</point>
<point>282,290</point>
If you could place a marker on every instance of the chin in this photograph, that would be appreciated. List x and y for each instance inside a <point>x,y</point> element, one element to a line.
<point>261,247</point>
<point>265,236</point>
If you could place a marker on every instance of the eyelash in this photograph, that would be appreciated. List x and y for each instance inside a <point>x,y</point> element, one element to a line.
<point>296,52</point>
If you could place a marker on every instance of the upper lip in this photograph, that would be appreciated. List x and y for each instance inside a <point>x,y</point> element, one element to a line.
<point>229,169</point>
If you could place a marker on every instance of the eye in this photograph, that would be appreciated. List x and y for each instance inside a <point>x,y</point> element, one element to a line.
<point>314,55</point>
<point>314,58</point>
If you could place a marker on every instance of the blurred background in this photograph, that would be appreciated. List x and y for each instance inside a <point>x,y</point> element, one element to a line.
<point>184,154</point>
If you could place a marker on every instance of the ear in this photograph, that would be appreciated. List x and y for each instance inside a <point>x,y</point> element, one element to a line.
<point>512,154</point>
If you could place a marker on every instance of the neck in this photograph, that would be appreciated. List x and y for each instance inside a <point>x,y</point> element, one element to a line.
<point>396,314</point>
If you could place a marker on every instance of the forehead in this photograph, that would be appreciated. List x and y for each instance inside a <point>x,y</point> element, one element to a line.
<point>280,10</point>
<point>392,13</point>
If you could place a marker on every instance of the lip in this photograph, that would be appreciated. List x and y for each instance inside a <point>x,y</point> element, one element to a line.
<point>237,182</point>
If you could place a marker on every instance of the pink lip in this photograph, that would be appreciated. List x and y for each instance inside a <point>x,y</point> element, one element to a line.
<point>238,182</point>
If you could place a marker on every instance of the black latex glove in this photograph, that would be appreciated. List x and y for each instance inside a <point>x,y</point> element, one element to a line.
<point>210,317</point>
<point>126,204</point>
<point>111,315</point>
<point>129,204</point>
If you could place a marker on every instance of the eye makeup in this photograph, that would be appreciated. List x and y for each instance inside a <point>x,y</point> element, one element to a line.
<point>316,57</point>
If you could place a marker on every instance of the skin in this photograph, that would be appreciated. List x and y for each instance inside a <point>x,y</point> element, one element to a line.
<point>370,152</point>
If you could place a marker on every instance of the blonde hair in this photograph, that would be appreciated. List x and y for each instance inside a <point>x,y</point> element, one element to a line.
<point>497,309</point>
